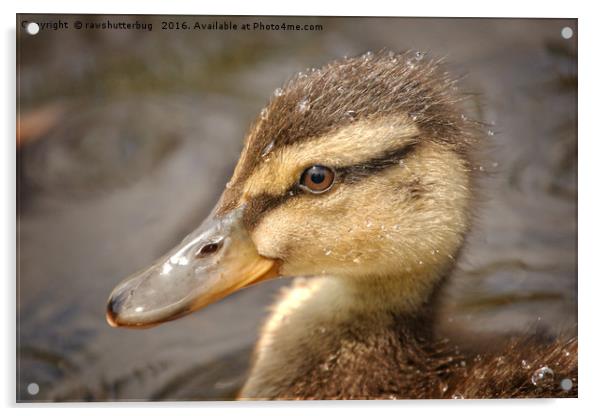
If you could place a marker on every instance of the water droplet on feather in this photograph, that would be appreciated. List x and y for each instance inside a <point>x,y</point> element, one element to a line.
<point>351,114</point>
<point>303,105</point>
<point>542,376</point>
<point>266,150</point>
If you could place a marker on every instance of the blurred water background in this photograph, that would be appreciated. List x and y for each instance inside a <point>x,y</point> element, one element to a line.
<point>128,137</point>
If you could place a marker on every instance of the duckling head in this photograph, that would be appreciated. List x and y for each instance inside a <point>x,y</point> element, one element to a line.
<point>360,171</point>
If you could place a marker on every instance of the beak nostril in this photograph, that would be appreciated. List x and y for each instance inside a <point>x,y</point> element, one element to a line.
<point>209,249</point>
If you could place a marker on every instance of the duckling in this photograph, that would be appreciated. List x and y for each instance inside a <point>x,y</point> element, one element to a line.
<point>359,179</point>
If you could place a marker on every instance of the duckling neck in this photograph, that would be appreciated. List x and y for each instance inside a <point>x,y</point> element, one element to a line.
<point>325,319</point>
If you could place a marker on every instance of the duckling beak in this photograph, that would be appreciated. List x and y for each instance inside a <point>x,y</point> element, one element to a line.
<point>215,260</point>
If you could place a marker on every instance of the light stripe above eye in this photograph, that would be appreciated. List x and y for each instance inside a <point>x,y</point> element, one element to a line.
<point>260,204</point>
<point>351,145</point>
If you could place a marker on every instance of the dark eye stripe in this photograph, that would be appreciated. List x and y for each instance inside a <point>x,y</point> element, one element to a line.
<point>357,172</point>
<point>263,203</point>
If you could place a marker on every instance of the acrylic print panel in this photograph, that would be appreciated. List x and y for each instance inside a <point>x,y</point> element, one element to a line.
<point>421,213</point>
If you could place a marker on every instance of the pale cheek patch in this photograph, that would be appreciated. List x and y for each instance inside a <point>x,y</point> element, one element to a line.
<point>376,226</point>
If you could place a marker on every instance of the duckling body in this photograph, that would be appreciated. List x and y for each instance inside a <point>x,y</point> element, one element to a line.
<point>360,177</point>
<point>304,354</point>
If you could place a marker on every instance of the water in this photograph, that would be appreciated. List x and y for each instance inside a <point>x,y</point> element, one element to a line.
<point>303,105</point>
<point>267,150</point>
<point>147,138</point>
<point>542,376</point>
<point>351,114</point>
<point>264,114</point>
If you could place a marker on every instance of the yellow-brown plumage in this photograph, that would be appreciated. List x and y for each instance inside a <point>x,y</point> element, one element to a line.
<point>376,246</point>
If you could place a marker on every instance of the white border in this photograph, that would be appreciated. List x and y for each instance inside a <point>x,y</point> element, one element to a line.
<point>590,153</point>
<point>507,8</point>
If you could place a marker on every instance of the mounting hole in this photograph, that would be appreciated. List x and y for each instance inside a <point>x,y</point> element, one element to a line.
<point>32,28</point>
<point>33,389</point>
<point>566,32</point>
<point>566,384</point>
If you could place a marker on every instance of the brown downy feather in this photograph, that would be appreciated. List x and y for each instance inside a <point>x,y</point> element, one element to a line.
<point>378,341</point>
<point>373,86</point>
<point>404,362</point>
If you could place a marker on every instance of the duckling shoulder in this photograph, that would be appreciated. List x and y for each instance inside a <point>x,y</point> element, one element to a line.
<point>386,355</point>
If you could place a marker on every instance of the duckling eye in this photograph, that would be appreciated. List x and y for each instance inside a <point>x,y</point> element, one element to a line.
<point>317,179</point>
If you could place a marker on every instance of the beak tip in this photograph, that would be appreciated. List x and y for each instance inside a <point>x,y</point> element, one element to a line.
<point>111,314</point>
